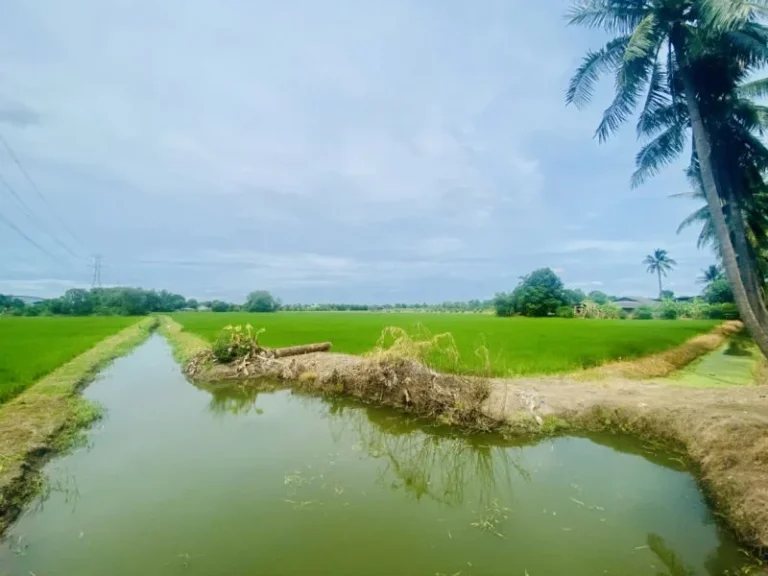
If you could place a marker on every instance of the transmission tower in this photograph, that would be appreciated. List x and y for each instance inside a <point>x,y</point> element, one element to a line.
<point>96,283</point>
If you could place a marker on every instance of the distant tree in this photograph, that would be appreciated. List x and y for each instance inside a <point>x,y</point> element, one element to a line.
<point>573,297</point>
<point>192,303</point>
<point>78,302</point>
<point>261,301</point>
<point>504,304</point>
<point>710,274</point>
<point>220,306</point>
<point>667,294</point>
<point>719,291</point>
<point>540,293</point>
<point>598,297</point>
<point>659,263</point>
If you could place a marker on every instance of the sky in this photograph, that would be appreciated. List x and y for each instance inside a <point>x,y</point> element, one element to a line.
<point>325,150</point>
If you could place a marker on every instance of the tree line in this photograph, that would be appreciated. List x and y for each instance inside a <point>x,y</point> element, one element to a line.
<point>125,301</point>
<point>542,293</point>
<point>119,301</point>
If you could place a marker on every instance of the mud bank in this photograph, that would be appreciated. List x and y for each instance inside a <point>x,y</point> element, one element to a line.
<point>46,418</point>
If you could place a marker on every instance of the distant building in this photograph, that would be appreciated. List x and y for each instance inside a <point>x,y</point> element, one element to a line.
<point>632,304</point>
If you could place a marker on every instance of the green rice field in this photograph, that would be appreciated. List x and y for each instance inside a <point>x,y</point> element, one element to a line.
<point>515,345</point>
<point>30,348</point>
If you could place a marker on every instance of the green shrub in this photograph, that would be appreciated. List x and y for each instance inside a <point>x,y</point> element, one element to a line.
<point>719,292</point>
<point>724,311</point>
<point>643,312</point>
<point>236,342</point>
<point>565,312</point>
<point>668,310</point>
<point>696,309</point>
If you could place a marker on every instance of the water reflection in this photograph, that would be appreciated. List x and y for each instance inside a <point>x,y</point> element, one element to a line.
<point>236,400</point>
<point>671,561</point>
<point>428,461</point>
<point>483,471</point>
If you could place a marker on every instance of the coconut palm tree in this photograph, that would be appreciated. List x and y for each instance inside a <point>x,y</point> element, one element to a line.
<point>658,57</point>
<point>742,158</point>
<point>659,263</point>
<point>710,274</point>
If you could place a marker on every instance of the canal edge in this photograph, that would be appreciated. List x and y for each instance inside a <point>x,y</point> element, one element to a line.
<point>45,419</point>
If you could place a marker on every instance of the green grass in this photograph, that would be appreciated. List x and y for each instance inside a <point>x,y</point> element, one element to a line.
<point>516,345</point>
<point>30,348</point>
<point>719,369</point>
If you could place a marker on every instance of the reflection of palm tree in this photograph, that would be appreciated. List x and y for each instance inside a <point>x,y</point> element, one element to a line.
<point>675,566</point>
<point>428,461</point>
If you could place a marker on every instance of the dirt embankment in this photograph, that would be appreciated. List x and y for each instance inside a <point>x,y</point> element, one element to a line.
<point>723,431</point>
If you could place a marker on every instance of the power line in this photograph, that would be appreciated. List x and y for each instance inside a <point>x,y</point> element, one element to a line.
<point>21,233</point>
<point>29,213</point>
<point>18,163</point>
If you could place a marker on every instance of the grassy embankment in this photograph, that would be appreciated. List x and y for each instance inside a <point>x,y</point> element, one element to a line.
<point>517,346</point>
<point>46,417</point>
<point>30,348</point>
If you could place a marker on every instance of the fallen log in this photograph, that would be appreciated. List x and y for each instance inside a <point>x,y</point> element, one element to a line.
<point>297,350</point>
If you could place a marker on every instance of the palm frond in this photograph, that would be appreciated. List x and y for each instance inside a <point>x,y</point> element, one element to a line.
<point>657,111</point>
<point>631,78</point>
<point>615,16</point>
<point>754,89</point>
<point>726,15</point>
<point>700,216</point>
<point>607,59</point>
<point>660,117</point>
<point>644,41</point>
<point>751,42</point>
<point>659,152</point>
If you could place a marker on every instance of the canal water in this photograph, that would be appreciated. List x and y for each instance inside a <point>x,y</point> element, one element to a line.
<point>182,480</point>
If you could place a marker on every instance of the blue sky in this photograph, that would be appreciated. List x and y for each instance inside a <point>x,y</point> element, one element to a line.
<point>335,150</point>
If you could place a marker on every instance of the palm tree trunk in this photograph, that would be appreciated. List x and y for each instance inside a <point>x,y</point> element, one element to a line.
<point>730,263</point>
<point>658,272</point>
<point>733,190</point>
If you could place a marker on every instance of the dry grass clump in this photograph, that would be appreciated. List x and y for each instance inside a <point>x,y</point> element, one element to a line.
<point>396,344</point>
<point>396,373</point>
<point>664,363</point>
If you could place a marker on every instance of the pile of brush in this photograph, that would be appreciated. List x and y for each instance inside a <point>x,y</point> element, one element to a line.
<point>239,346</point>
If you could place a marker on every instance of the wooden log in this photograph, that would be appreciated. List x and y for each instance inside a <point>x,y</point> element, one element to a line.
<point>297,350</point>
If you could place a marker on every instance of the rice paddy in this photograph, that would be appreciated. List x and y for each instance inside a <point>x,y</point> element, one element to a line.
<point>516,346</point>
<point>33,347</point>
